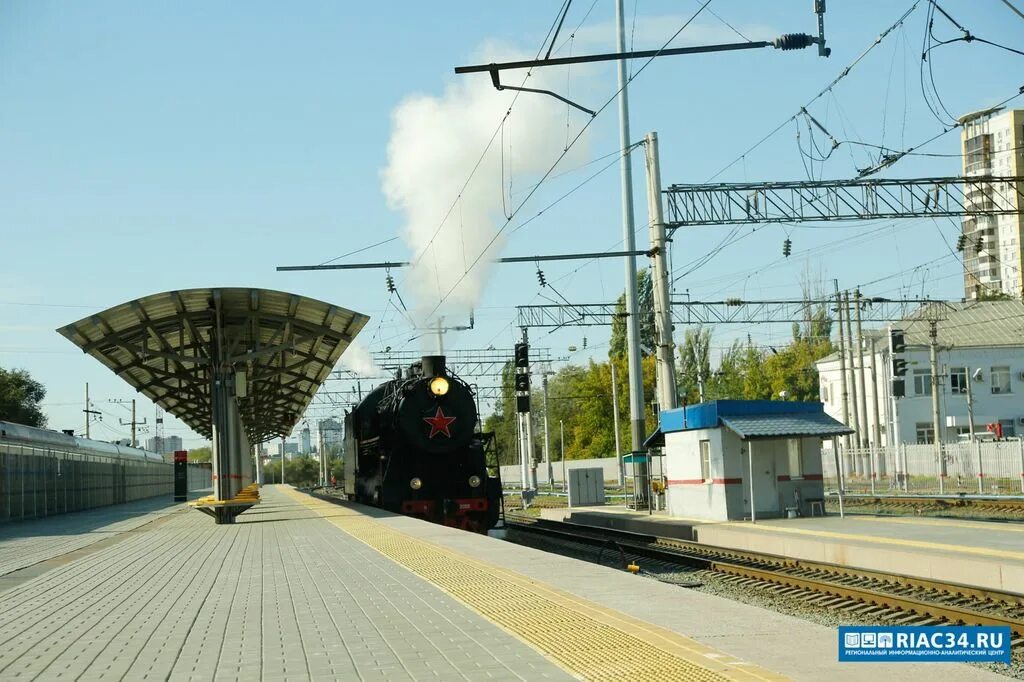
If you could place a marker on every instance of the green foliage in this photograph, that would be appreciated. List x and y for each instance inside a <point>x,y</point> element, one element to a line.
<point>203,454</point>
<point>645,309</point>
<point>20,396</point>
<point>694,364</point>
<point>299,471</point>
<point>992,295</point>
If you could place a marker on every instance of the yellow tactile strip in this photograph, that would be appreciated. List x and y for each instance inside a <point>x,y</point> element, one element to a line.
<point>585,638</point>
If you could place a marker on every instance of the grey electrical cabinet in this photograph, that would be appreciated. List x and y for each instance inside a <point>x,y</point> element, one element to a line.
<point>586,487</point>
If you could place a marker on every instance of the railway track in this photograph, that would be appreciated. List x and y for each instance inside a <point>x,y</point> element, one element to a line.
<point>894,599</point>
<point>953,506</point>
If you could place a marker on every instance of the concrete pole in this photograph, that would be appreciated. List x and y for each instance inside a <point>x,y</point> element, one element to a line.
<point>561,443</point>
<point>636,377</point>
<point>665,348</point>
<point>284,454</point>
<point>842,361</point>
<point>876,432</point>
<point>615,423</point>
<point>547,439</point>
<point>933,348</point>
<point>529,445</point>
<point>970,406</point>
<point>862,437</point>
<point>524,475</point>
<point>750,469</point>
<point>854,413</point>
<point>259,465</point>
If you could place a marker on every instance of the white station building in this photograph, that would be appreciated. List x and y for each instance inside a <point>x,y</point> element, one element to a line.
<point>745,459</point>
<point>980,340</point>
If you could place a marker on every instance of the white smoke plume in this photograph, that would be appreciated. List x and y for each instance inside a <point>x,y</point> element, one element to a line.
<point>435,143</point>
<point>358,359</point>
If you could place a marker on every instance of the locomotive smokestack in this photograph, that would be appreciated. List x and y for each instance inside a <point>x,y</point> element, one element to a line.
<point>433,365</point>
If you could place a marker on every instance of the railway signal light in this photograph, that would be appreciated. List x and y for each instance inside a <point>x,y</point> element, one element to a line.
<point>961,242</point>
<point>899,388</point>
<point>522,382</point>
<point>899,367</point>
<point>522,354</point>
<point>897,341</point>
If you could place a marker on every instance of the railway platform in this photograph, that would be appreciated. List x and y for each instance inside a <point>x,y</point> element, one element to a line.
<point>299,588</point>
<point>982,554</point>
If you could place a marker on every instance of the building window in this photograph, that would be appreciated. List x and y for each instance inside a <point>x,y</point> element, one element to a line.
<point>796,457</point>
<point>925,432</point>
<point>824,393</point>
<point>922,382</point>
<point>1000,379</point>
<point>958,379</point>
<point>1008,428</point>
<point>705,461</point>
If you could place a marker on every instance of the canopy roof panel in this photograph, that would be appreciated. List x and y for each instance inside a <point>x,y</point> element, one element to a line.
<point>169,346</point>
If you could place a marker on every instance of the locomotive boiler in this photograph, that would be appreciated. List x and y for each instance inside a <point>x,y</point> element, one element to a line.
<point>414,446</point>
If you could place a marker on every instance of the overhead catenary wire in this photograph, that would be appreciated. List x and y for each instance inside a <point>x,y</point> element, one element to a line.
<point>563,154</point>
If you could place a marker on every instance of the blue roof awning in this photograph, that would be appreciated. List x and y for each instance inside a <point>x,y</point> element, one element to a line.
<point>749,427</point>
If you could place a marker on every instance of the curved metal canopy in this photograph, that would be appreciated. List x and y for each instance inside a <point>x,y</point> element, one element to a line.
<point>169,347</point>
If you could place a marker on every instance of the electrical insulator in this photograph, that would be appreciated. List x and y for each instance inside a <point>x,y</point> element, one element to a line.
<point>540,278</point>
<point>391,284</point>
<point>961,242</point>
<point>733,301</point>
<point>584,342</point>
<point>787,248</point>
<point>793,41</point>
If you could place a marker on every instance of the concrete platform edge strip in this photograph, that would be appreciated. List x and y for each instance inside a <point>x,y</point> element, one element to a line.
<point>870,539</point>
<point>583,637</point>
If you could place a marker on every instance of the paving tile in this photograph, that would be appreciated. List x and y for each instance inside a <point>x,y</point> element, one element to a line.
<point>279,595</point>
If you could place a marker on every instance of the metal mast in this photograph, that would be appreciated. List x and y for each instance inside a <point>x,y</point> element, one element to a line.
<point>636,377</point>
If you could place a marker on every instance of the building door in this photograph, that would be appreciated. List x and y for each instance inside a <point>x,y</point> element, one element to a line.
<point>766,489</point>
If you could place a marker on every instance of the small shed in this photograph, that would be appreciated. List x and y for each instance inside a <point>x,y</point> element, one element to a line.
<point>745,459</point>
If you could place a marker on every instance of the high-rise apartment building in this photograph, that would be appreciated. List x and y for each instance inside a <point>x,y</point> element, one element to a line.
<point>164,444</point>
<point>330,435</point>
<point>993,144</point>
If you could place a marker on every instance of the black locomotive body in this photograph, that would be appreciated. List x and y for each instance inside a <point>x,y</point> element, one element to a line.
<point>413,447</point>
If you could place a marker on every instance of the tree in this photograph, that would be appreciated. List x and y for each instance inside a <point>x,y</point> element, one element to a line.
<point>694,363</point>
<point>203,454</point>
<point>20,396</point>
<point>645,309</point>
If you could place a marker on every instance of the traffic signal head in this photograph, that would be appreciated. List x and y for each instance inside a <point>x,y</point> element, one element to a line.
<point>522,382</point>
<point>899,367</point>
<point>897,341</point>
<point>522,355</point>
<point>899,388</point>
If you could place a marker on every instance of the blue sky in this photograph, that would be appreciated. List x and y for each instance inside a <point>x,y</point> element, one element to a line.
<point>155,146</point>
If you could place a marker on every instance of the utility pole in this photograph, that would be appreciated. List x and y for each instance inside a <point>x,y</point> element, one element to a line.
<point>876,434</point>
<point>615,422</point>
<point>853,377</point>
<point>89,412</point>
<point>668,398</point>
<point>561,444</point>
<point>636,377</point>
<point>933,348</point>
<point>547,440</point>
<point>842,360</point>
<point>133,423</point>
<point>283,455</point>
<point>862,436</point>
<point>970,406</point>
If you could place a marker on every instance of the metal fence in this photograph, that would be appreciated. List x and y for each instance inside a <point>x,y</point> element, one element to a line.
<point>39,481</point>
<point>988,468</point>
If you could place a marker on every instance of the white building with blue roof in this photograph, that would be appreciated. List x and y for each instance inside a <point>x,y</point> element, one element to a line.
<point>721,455</point>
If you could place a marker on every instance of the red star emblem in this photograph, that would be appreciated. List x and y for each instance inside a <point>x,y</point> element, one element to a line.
<point>439,423</point>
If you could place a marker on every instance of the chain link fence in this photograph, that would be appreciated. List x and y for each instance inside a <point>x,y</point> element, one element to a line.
<point>979,468</point>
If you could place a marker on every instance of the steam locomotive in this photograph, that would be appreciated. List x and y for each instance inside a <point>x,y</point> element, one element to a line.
<point>413,447</point>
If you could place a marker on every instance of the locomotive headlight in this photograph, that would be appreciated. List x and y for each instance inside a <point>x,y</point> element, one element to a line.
<point>439,386</point>
<point>416,484</point>
<point>475,481</point>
